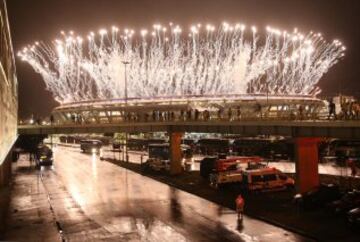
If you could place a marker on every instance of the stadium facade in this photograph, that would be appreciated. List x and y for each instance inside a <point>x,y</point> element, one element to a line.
<point>8,97</point>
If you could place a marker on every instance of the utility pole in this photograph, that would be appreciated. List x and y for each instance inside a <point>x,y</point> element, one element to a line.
<point>126,99</point>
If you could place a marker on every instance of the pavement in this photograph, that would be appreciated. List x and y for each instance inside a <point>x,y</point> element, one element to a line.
<point>29,216</point>
<point>91,200</point>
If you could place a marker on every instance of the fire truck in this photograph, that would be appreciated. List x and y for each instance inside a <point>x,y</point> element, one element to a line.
<point>230,170</point>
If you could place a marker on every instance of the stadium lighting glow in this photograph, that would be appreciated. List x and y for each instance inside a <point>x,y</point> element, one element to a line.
<point>164,61</point>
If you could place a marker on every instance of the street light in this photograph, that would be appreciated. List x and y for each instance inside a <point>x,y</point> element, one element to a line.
<point>267,93</point>
<point>126,93</point>
<point>126,97</point>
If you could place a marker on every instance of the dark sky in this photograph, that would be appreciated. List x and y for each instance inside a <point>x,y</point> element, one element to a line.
<point>33,20</point>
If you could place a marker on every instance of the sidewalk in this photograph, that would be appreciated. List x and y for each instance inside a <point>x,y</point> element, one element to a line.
<point>29,217</point>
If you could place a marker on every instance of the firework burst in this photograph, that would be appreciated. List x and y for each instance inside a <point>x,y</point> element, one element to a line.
<point>165,61</point>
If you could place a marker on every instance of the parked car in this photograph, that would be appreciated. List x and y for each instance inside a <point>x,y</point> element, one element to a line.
<point>319,196</point>
<point>347,202</point>
<point>44,156</point>
<point>353,217</point>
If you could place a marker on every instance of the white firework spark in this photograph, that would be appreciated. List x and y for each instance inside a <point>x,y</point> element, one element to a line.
<point>167,62</point>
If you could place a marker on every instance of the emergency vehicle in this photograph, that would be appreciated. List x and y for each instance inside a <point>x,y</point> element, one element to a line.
<point>268,178</point>
<point>227,171</point>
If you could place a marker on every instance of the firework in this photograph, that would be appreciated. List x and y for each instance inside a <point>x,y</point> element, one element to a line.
<point>165,61</point>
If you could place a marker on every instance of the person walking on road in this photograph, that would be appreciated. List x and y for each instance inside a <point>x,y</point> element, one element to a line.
<point>240,203</point>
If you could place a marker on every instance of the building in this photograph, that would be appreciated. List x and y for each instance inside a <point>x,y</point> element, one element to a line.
<point>8,96</point>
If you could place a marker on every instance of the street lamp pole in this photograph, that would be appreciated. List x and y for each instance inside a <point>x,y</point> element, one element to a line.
<point>126,99</point>
<point>267,93</point>
<point>126,91</point>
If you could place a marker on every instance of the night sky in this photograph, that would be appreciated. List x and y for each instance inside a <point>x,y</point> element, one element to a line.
<point>32,20</point>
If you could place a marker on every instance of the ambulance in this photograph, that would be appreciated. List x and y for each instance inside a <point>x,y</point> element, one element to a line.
<point>268,178</point>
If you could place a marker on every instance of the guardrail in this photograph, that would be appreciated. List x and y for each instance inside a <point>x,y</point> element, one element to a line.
<point>297,128</point>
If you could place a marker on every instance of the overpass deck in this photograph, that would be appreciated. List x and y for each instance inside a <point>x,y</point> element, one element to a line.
<point>301,128</point>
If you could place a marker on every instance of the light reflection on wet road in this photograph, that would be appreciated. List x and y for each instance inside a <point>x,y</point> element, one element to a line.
<point>123,205</point>
<point>330,168</point>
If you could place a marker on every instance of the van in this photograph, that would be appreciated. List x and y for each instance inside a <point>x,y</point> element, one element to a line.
<point>266,179</point>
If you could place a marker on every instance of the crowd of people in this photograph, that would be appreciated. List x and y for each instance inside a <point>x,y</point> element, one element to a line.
<point>175,115</point>
<point>349,110</point>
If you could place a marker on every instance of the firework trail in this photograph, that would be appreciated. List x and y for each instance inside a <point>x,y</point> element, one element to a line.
<point>164,61</point>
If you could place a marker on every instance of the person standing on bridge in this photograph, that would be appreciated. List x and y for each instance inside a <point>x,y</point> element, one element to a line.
<point>230,114</point>
<point>332,110</point>
<point>238,112</point>
<point>240,203</point>
<point>258,109</point>
<point>52,120</point>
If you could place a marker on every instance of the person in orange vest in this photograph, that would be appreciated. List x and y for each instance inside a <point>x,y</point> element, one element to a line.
<point>240,203</point>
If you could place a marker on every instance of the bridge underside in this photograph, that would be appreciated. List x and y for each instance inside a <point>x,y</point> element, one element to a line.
<point>331,129</point>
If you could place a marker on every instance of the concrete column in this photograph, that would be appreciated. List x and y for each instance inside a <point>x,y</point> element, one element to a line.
<point>175,153</point>
<point>307,157</point>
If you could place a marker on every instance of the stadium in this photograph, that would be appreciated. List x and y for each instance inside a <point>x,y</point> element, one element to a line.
<point>162,74</point>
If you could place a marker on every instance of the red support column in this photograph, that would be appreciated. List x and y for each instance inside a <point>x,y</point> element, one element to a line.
<point>307,157</point>
<point>175,153</point>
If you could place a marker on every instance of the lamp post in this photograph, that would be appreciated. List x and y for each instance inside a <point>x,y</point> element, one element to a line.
<point>126,93</point>
<point>126,97</point>
<point>267,93</point>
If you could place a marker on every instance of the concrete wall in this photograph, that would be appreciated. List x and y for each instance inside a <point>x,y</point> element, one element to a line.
<point>8,96</point>
<point>5,170</point>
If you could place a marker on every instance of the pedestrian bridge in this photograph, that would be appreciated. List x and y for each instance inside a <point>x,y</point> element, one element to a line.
<point>346,129</point>
<point>306,133</point>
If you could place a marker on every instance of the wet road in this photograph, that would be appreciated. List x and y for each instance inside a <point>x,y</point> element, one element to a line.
<point>95,200</point>
<point>329,168</point>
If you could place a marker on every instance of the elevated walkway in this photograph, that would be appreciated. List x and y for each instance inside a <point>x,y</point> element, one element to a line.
<point>305,128</point>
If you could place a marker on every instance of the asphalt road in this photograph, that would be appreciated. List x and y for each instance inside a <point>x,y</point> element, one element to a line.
<point>328,168</point>
<point>95,200</point>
